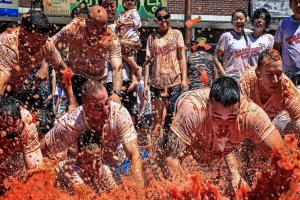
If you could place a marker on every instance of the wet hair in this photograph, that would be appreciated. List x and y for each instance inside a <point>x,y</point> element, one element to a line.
<point>260,11</point>
<point>245,15</point>
<point>295,78</point>
<point>272,55</point>
<point>79,10</point>
<point>225,91</point>
<point>162,9</point>
<point>9,106</point>
<point>90,147</point>
<point>90,88</point>
<point>35,20</point>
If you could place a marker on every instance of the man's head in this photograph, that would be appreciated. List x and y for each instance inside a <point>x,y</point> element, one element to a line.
<point>10,117</point>
<point>295,6</point>
<point>110,7</point>
<point>224,105</point>
<point>97,18</point>
<point>95,100</point>
<point>90,158</point>
<point>35,29</point>
<point>269,71</point>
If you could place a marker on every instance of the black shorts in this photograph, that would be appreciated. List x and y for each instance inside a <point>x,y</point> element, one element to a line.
<point>128,99</point>
<point>156,93</point>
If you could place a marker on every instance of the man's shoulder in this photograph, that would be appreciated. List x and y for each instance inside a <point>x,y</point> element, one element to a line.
<point>197,97</point>
<point>247,106</point>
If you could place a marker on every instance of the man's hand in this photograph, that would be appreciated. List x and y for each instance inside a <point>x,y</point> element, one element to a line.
<point>115,98</point>
<point>71,107</point>
<point>146,93</point>
<point>184,85</point>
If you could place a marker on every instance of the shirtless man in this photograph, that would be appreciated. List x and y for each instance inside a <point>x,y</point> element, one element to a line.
<point>108,120</point>
<point>272,90</point>
<point>90,43</point>
<point>209,123</point>
<point>17,132</point>
<point>23,49</point>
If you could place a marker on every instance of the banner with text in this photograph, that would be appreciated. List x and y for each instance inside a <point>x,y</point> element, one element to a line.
<point>277,8</point>
<point>59,7</point>
<point>9,8</point>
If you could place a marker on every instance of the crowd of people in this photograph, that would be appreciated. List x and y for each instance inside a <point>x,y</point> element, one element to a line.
<point>119,113</point>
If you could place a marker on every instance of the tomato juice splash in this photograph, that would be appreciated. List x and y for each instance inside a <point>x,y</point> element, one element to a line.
<point>279,179</point>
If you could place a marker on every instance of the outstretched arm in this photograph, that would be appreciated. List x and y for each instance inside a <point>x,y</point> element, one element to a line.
<point>132,152</point>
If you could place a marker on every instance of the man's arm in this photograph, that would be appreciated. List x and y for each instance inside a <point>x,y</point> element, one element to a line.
<point>274,140</point>
<point>216,57</point>
<point>33,159</point>
<point>132,152</point>
<point>233,166</point>
<point>183,68</point>
<point>63,73</point>
<point>128,46</point>
<point>277,46</point>
<point>116,67</point>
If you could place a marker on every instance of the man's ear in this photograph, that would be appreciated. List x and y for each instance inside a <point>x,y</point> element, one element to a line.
<point>257,73</point>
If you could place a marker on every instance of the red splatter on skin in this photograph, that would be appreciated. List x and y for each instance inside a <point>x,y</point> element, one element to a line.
<point>120,68</point>
<point>9,30</point>
<point>105,39</point>
<point>204,77</point>
<point>191,23</point>
<point>67,75</point>
<point>287,93</point>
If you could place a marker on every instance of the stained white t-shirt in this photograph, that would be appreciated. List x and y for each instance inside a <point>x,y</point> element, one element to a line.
<point>118,131</point>
<point>288,33</point>
<point>236,53</point>
<point>265,41</point>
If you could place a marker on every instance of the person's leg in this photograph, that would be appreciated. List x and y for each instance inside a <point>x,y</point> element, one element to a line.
<point>135,71</point>
<point>129,100</point>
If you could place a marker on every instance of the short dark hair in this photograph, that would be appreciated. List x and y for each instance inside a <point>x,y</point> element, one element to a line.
<point>37,21</point>
<point>162,9</point>
<point>225,90</point>
<point>260,11</point>
<point>9,106</point>
<point>272,55</point>
<point>90,88</point>
<point>79,10</point>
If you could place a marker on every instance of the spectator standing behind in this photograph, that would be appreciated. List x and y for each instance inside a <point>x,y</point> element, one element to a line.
<point>260,40</point>
<point>287,37</point>
<point>234,47</point>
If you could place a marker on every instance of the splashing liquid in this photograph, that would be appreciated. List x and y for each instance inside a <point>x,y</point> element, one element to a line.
<point>280,179</point>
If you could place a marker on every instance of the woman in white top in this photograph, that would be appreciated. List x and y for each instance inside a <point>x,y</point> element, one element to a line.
<point>260,40</point>
<point>234,47</point>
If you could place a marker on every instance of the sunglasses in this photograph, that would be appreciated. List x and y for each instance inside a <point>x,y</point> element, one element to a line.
<point>160,18</point>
